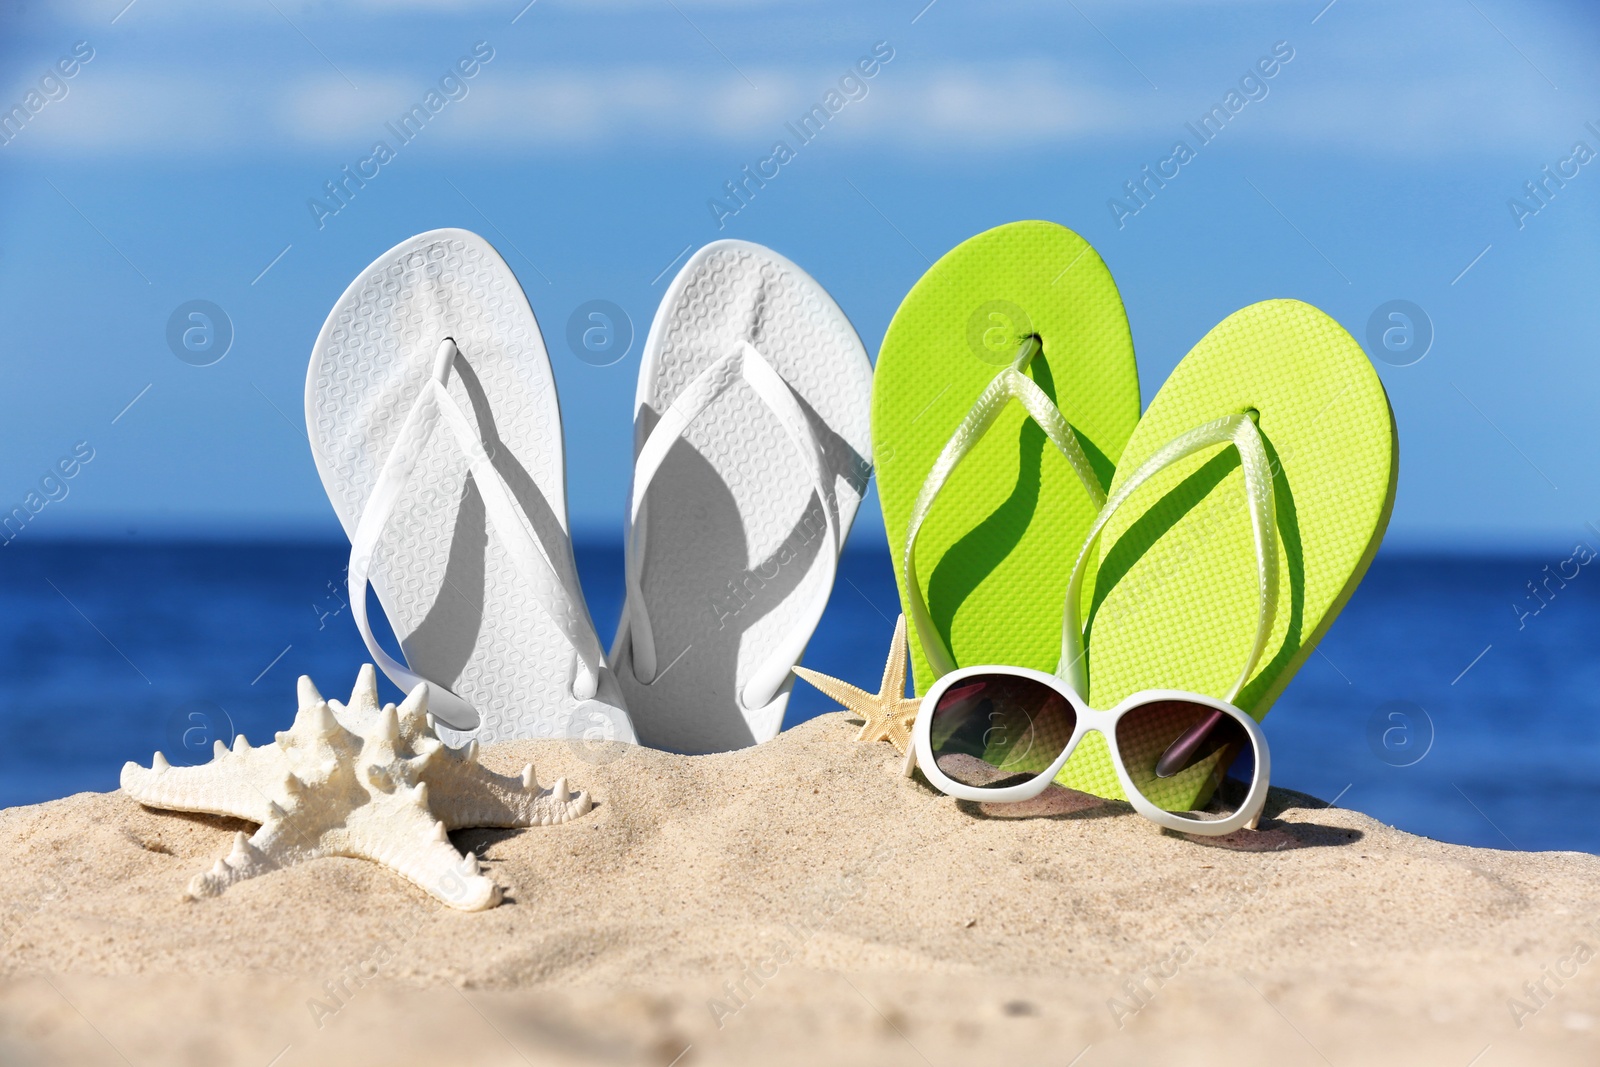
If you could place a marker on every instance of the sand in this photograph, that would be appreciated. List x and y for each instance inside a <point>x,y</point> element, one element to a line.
<point>800,902</point>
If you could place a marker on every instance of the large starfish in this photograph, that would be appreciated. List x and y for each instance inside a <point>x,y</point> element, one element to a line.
<point>888,712</point>
<point>355,780</point>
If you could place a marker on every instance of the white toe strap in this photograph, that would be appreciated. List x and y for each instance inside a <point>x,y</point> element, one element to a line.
<point>1240,432</point>
<point>1010,384</point>
<point>515,534</point>
<point>745,362</point>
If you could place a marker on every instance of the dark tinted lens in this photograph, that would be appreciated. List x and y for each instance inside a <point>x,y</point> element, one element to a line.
<point>994,730</point>
<point>1178,752</point>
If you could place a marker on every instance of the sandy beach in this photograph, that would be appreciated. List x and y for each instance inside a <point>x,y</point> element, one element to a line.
<point>800,902</point>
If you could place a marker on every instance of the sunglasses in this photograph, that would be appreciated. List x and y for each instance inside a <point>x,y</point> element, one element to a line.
<point>1002,733</point>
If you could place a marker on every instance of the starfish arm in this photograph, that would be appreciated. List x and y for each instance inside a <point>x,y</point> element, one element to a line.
<point>240,783</point>
<point>284,839</point>
<point>462,792</point>
<point>245,861</point>
<point>397,830</point>
<point>898,734</point>
<point>843,692</point>
<point>875,728</point>
<point>894,670</point>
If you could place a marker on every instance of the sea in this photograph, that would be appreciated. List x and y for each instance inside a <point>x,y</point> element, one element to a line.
<point>1456,697</point>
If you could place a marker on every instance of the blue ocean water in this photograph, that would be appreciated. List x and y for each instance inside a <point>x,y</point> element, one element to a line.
<point>1447,700</point>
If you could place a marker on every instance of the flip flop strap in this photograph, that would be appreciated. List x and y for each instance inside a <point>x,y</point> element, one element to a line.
<point>1010,384</point>
<point>516,536</point>
<point>746,362</point>
<point>1239,431</point>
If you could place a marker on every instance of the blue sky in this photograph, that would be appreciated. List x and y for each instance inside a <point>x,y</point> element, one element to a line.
<point>1377,164</point>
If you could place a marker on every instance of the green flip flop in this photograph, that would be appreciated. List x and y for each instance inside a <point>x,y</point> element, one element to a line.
<point>985,501</point>
<point>1208,558</point>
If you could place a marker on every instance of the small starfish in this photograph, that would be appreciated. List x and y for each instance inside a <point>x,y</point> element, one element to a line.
<point>889,713</point>
<point>355,780</point>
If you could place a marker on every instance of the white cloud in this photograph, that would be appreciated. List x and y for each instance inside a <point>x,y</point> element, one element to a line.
<point>163,113</point>
<point>1360,86</point>
<point>156,113</point>
<point>92,13</point>
<point>948,108</point>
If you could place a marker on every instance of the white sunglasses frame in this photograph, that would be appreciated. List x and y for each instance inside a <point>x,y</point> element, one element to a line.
<point>1091,719</point>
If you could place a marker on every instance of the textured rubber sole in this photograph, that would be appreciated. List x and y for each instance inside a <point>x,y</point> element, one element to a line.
<point>464,616</point>
<point>995,554</point>
<point>732,524</point>
<point>1175,600</point>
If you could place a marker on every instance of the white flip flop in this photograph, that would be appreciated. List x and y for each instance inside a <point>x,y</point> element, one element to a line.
<point>431,409</point>
<point>752,448</point>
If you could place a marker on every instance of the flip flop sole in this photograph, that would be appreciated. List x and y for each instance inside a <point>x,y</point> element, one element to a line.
<point>732,524</point>
<point>465,617</point>
<point>1176,600</point>
<point>995,554</point>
